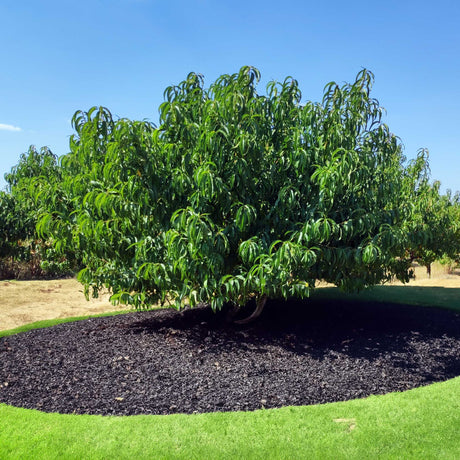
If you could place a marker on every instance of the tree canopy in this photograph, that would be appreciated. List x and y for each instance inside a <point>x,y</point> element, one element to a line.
<point>237,195</point>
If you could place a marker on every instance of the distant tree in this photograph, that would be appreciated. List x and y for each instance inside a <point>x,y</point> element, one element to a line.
<point>451,257</point>
<point>33,164</point>
<point>14,225</point>
<point>35,170</point>
<point>434,223</point>
<point>236,195</point>
<point>18,211</point>
<point>28,184</point>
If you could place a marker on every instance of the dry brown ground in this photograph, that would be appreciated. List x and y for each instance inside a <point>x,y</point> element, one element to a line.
<point>23,302</point>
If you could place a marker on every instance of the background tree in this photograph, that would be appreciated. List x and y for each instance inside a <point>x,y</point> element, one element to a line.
<point>14,226</point>
<point>18,209</point>
<point>22,253</point>
<point>451,258</point>
<point>236,195</point>
<point>434,222</point>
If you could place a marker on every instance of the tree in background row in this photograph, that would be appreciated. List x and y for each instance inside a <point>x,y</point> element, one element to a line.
<point>22,253</point>
<point>238,196</point>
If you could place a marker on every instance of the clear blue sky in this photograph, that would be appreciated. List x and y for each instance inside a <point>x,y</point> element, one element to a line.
<point>60,56</point>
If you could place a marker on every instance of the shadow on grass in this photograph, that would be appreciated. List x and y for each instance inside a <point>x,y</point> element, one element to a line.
<point>429,296</point>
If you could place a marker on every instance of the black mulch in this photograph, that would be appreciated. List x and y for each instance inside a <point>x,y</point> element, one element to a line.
<point>165,362</point>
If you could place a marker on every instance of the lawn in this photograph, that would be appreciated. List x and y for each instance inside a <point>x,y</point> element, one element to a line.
<point>421,423</point>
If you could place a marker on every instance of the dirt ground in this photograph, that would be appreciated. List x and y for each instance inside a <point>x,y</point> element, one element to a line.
<point>23,302</point>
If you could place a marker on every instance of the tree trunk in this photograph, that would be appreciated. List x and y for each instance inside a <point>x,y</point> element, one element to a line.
<point>261,301</point>
<point>428,270</point>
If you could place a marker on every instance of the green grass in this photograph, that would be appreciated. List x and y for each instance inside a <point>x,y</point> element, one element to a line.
<point>53,322</point>
<point>421,423</point>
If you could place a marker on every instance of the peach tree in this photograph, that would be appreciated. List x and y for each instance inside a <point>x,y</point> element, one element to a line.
<point>435,225</point>
<point>22,253</point>
<point>235,195</point>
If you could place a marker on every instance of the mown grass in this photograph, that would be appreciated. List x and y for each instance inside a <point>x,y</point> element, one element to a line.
<point>421,423</point>
<point>52,322</point>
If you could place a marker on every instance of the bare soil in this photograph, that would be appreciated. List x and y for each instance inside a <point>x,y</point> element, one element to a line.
<point>23,302</point>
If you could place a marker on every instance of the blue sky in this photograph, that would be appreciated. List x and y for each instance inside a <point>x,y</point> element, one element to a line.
<point>60,56</point>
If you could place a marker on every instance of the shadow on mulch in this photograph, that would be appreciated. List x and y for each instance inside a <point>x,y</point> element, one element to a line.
<point>297,353</point>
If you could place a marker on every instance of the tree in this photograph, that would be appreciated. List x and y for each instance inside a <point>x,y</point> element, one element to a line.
<point>235,195</point>
<point>33,164</point>
<point>14,226</point>
<point>20,206</point>
<point>434,223</point>
<point>451,256</point>
<point>18,211</point>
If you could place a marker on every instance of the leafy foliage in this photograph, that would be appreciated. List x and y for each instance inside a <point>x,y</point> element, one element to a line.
<point>33,164</point>
<point>237,195</point>
<point>22,254</point>
<point>13,226</point>
<point>435,222</point>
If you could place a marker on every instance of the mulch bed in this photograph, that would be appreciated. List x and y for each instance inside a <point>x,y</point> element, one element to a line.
<point>164,362</point>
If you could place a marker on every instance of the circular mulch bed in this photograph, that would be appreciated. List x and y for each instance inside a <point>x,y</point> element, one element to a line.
<point>163,362</point>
